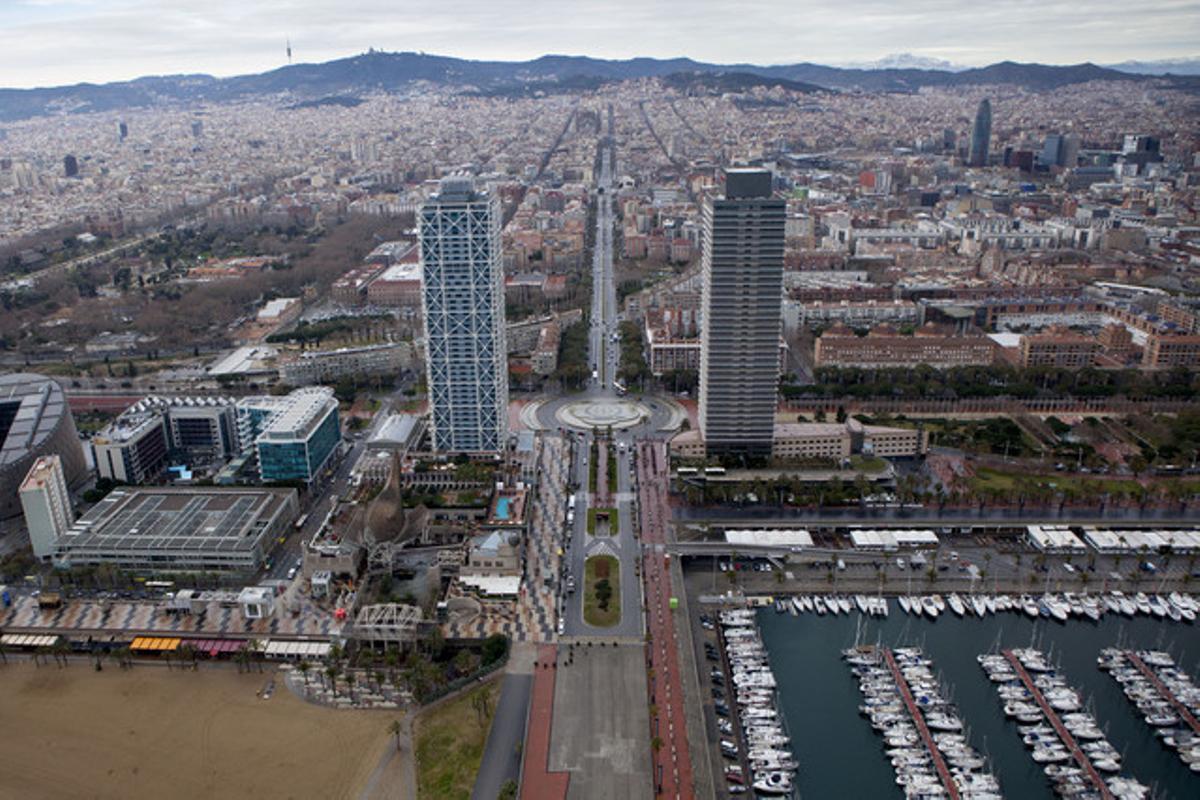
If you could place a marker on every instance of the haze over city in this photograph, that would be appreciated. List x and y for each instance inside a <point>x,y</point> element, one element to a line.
<point>783,400</point>
<point>125,39</point>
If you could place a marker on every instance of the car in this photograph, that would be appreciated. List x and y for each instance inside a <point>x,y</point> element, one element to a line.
<point>291,573</point>
<point>717,694</point>
<point>721,709</point>
<point>562,626</point>
<point>1069,568</point>
<point>735,788</point>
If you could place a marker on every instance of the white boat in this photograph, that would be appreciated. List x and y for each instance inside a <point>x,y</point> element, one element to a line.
<point>905,606</point>
<point>1030,606</point>
<point>773,783</point>
<point>861,602</point>
<point>844,603</point>
<point>956,604</point>
<point>929,606</point>
<point>819,604</point>
<point>980,606</point>
<point>939,602</point>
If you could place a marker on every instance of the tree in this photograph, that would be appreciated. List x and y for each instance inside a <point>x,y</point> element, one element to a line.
<point>332,671</point>
<point>304,668</point>
<point>395,729</point>
<point>495,647</point>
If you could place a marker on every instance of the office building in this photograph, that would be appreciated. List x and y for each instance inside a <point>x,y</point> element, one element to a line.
<point>300,437</point>
<point>132,448</point>
<point>47,505</point>
<point>981,135</point>
<point>136,447</point>
<point>741,299</point>
<point>463,304</point>
<point>35,421</point>
<point>70,166</point>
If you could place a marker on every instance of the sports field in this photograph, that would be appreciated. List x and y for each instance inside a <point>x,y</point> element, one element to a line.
<point>149,732</point>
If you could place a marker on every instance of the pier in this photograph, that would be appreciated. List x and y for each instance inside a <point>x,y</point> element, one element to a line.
<point>1080,757</point>
<point>919,719</point>
<point>1167,694</point>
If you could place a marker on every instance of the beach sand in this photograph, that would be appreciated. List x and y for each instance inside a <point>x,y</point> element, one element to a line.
<point>150,732</point>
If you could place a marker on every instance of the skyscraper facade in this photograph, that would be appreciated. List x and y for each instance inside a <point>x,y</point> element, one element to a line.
<point>981,135</point>
<point>741,298</point>
<point>466,359</point>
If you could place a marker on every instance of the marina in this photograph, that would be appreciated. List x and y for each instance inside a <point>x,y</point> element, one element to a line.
<point>753,735</point>
<point>1165,696</point>
<point>842,757</point>
<point>945,765</point>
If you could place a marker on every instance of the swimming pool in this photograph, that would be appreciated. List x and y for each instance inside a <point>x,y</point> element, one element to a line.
<point>502,505</point>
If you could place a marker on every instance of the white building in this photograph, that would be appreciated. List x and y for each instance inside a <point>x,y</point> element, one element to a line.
<point>47,505</point>
<point>463,302</point>
<point>330,366</point>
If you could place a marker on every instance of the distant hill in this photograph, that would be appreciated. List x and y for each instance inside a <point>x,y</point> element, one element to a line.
<point>396,72</point>
<point>1170,66</point>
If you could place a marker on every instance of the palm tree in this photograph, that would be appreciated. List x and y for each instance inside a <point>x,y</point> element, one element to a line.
<point>350,685</point>
<point>332,672</point>
<point>304,667</point>
<point>395,729</point>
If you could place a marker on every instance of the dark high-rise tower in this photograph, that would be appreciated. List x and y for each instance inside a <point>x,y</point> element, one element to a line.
<point>70,166</point>
<point>742,299</point>
<point>123,130</point>
<point>981,135</point>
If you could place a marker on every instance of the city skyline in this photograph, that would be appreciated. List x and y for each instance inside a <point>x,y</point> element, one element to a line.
<point>127,39</point>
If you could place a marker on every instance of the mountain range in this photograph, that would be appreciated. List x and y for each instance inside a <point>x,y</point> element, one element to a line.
<point>394,72</point>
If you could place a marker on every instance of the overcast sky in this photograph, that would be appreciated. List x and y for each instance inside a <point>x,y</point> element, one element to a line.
<point>50,42</point>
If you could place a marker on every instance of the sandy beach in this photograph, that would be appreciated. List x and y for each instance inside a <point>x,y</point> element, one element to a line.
<point>150,732</point>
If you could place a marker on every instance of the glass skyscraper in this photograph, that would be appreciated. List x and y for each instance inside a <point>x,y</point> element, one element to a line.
<point>981,135</point>
<point>463,299</point>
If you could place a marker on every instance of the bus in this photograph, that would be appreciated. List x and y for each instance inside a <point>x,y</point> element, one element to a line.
<point>713,472</point>
<point>164,585</point>
<point>687,472</point>
<point>300,522</point>
<point>571,503</point>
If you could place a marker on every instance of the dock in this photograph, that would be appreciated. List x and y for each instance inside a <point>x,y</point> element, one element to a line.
<point>1167,694</point>
<point>1081,758</point>
<point>919,720</point>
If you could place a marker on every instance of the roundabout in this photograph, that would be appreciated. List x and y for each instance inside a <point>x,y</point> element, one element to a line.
<point>600,413</point>
<point>597,412</point>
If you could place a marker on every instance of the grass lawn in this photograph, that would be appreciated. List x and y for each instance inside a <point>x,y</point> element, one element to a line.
<point>868,464</point>
<point>596,569</point>
<point>612,470</point>
<point>614,522</point>
<point>1007,481</point>
<point>450,740</point>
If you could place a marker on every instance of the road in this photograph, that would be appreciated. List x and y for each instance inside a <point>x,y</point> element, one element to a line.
<point>604,357</point>
<point>502,753</point>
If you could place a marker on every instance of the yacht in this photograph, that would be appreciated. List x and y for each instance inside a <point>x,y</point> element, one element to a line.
<point>956,605</point>
<point>929,606</point>
<point>773,783</point>
<point>904,604</point>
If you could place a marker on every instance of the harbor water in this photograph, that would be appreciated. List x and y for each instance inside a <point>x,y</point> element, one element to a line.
<point>841,756</point>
